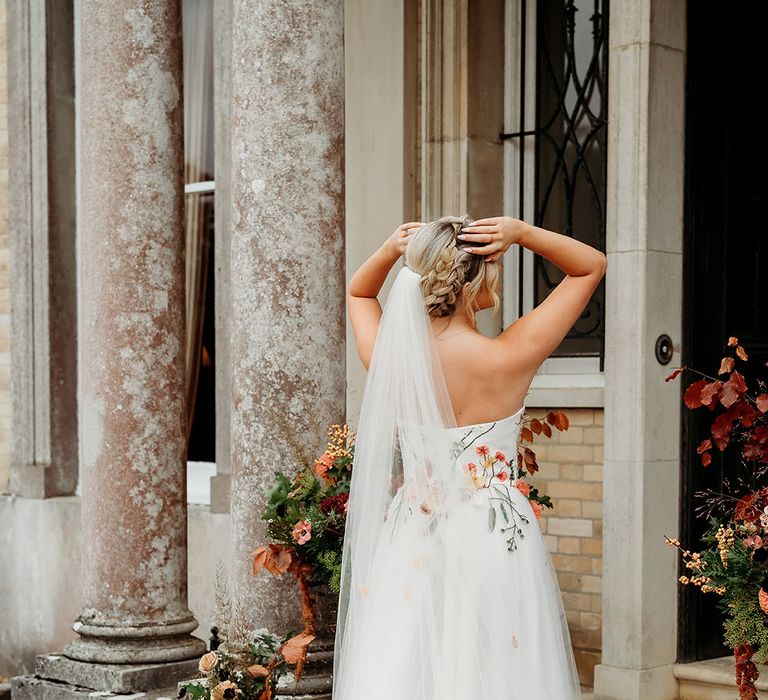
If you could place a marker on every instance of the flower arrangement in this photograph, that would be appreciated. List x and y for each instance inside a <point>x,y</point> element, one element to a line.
<point>733,563</point>
<point>244,665</point>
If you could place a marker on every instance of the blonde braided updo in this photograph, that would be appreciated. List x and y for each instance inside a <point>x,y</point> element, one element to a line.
<point>449,274</point>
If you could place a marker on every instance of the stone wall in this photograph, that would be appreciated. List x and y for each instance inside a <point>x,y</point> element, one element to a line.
<point>5,286</point>
<point>570,471</point>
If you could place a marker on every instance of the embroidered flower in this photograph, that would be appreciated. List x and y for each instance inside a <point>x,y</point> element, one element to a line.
<point>482,450</point>
<point>500,457</point>
<point>502,476</point>
<point>523,487</point>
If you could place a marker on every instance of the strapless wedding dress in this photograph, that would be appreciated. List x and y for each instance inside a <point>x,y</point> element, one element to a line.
<point>462,601</point>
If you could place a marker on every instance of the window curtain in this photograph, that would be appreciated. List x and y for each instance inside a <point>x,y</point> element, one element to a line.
<point>198,168</point>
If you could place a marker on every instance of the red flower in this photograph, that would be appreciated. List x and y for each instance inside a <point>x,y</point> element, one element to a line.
<point>502,476</point>
<point>537,509</point>
<point>501,457</point>
<point>482,450</point>
<point>337,503</point>
<point>302,531</point>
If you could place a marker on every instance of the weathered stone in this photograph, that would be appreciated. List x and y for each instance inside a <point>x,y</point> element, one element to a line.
<point>287,263</point>
<point>34,688</point>
<point>132,392</point>
<point>113,678</point>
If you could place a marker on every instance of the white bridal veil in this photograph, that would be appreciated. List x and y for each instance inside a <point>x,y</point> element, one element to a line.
<point>400,458</point>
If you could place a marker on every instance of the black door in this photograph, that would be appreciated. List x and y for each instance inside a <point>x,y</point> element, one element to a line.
<point>725,250</point>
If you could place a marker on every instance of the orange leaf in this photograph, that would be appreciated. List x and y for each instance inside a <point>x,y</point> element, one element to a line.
<point>259,557</point>
<point>741,352</point>
<point>732,389</point>
<point>526,435</point>
<point>675,373</point>
<point>733,340</point>
<point>536,426</point>
<point>293,650</point>
<point>258,671</point>
<point>762,403</point>
<point>546,429</point>
<point>705,445</point>
<point>280,561</point>
<point>726,365</point>
<point>706,458</point>
<point>529,457</point>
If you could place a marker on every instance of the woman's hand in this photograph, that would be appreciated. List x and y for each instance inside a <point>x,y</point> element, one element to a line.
<point>498,233</point>
<point>401,235</point>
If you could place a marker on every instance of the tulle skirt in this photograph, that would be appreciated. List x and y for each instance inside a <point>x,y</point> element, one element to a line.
<point>450,613</point>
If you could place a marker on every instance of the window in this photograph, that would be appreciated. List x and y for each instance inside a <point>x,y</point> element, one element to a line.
<point>197,32</point>
<point>555,166</point>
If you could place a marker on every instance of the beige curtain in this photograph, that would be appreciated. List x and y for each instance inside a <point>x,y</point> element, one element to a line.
<point>198,158</point>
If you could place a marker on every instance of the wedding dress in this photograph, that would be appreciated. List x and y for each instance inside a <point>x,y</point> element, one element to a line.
<point>448,589</point>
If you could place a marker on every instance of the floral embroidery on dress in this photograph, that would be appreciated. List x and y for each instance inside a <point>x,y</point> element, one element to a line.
<point>493,473</point>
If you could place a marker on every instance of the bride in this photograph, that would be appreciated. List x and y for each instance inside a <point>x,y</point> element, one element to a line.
<point>448,590</point>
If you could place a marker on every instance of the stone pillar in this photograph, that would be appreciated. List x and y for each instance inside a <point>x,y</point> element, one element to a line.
<point>644,300</point>
<point>287,262</point>
<point>462,113</point>
<point>133,437</point>
<point>42,222</point>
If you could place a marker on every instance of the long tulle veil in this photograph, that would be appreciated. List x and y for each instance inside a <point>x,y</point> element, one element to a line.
<point>405,388</point>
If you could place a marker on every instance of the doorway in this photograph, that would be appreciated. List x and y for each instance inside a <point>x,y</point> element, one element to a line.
<point>725,253</point>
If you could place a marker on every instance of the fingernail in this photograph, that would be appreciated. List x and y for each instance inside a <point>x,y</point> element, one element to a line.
<point>465,229</point>
<point>462,236</point>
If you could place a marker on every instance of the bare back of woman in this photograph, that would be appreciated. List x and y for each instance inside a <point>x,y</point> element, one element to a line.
<point>487,378</point>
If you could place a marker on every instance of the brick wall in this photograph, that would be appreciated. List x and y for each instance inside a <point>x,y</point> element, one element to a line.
<point>5,287</point>
<point>570,471</point>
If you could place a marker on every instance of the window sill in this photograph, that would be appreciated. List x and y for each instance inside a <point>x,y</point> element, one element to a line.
<point>567,391</point>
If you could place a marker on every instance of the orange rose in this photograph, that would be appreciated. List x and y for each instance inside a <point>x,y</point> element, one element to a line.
<point>207,662</point>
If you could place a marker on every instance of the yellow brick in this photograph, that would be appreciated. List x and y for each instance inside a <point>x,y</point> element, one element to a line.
<point>593,436</point>
<point>579,416</point>
<point>591,584</point>
<point>571,489</point>
<point>569,508</point>
<point>577,601</point>
<point>592,546</point>
<point>569,581</point>
<point>568,545</point>
<point>571,472</point>
<point>599,416</point>
<point>590,621</point>
<point>593,472</point>
<point>572,562</point>
<point>574,435</point>
<point>592,509</point>
<point>581,454</point>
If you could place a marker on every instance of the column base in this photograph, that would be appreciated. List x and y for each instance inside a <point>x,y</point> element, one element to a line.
<point>58,677</point>
<point>135,645</point>
<point>616,683</point>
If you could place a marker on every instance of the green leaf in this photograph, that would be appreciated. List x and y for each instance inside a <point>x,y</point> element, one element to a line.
<point>491,518</point>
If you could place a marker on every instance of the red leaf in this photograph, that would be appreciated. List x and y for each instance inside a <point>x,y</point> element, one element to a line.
<point>558,419</point>
<point>741,352</point>
<point>692,395</point>
<point>762,403</point>
<point>536,426</point>
<point>732,389</point>
<point>706,458</point>
<point>733,340</point>
<point>709,393</point>
<point>529,456</point>
<point>704,445</point>
<point>526,435</point>
<point>546,429</point>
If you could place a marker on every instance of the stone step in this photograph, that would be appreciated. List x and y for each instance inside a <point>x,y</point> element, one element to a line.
<point>713,679</point>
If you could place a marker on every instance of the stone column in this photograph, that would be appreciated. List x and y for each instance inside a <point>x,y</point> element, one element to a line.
<point>287,262</point>
<point>133,437</point>
<point>644,300</point>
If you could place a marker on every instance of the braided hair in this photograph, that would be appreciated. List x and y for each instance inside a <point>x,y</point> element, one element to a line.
<point>450,276</point>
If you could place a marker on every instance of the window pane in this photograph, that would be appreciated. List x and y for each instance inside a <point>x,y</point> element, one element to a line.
<point>198,90</point>
<point>571,146</point>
